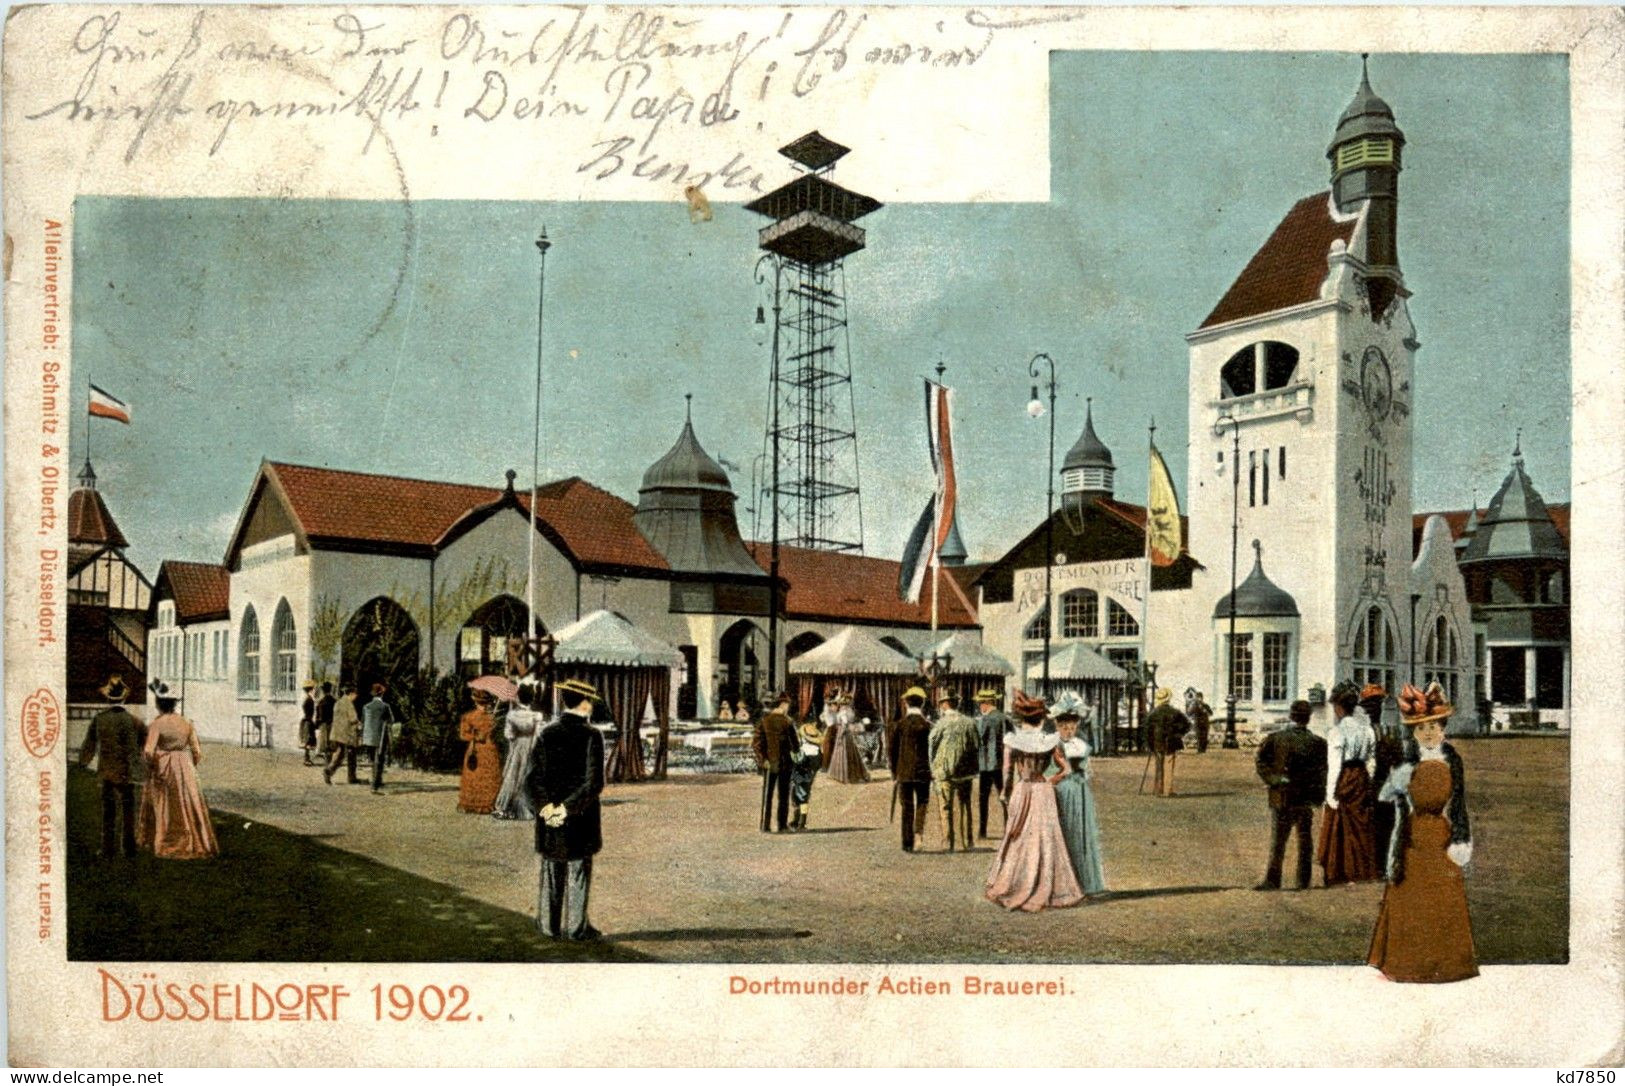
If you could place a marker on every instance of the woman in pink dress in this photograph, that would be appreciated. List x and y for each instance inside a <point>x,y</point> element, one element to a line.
<point>174,820</point>
<point>1033,869</point>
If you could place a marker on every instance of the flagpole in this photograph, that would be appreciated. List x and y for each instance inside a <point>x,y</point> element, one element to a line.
<point>1145,600</point>
<point>542,244</point>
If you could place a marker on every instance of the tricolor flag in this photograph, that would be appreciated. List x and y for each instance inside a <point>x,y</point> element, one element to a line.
<point>936,521</point>
<point>105,405</point>
<point>1162,514</point>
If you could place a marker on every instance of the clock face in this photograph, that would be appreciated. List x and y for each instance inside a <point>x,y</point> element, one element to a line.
<point>1376,384</point>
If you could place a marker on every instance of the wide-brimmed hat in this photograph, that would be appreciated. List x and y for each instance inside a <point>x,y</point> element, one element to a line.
<point>1164,695</point>
<point>578,686</point>
<point>1068,705</point>
<point>1343,693</point>
<point>1028,707</point>
<point>114,689</point>
<point>308,684</point>
<point>946,696</point>
<point>989,695</point>
<point>160,689</point>
<point>1372,690</point>
<point>809,732</point>
<point>914,692</point>
<point>1417,707</point>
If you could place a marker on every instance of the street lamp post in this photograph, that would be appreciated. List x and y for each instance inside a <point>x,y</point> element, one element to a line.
<point>773,387</point>
<point>1035,408</point>
<point>1230,742</point>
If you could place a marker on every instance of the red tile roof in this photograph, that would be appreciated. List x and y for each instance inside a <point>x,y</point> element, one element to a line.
<point>201,590</point>
<point>855,588</point>
<point>1289,268</point>
<point>90,523</point>
<point>1456,521</point>
<point>593,526</point>
<point>1134,516</point>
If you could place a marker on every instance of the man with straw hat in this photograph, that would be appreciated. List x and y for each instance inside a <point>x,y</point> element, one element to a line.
<point>115,740</point>
<point>908,742</point>
<point>772,741</point>
<point>566,778</point>
<point>1166,727</point>
<point>806,756</point>
<point>954,748</point>
<point>991,724</point>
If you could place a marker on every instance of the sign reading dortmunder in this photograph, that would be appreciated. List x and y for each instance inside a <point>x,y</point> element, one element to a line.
<point>1123,579</point>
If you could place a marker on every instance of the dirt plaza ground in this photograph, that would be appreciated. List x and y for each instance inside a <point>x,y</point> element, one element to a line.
<point>317,872</point>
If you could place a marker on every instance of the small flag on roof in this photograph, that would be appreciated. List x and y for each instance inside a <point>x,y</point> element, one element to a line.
<point>105,405</point>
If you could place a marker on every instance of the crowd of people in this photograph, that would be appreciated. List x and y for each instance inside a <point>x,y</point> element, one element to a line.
<point>1392,807</point>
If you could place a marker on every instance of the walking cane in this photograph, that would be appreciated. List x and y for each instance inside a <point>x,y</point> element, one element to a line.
<point>1144,771</point>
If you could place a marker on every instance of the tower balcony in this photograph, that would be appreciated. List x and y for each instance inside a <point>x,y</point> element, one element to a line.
<point>1297,399</point>
<point>811,237</point>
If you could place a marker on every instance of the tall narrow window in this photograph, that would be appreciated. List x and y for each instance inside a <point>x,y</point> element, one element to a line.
<point>1241,666</point>
<point>285,639</point>
<point>1252,477</point>
<point>1276,647</point>
<point>1280,461</point>
<point>248,655</point>
<point>1266,476</point>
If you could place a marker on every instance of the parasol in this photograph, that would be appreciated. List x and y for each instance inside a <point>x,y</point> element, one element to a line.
<point>498,687</point>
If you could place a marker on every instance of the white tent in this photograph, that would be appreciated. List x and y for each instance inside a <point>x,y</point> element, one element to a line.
<point>606,639</point>
<point>1077,661</point>
<point>971,657</point>
<point>853,652</point>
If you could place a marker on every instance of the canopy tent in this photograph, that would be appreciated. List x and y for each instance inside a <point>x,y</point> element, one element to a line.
<point>1098,681</point>
<point>874,673</point>
<point>971,666</point>
<point>632,671</point>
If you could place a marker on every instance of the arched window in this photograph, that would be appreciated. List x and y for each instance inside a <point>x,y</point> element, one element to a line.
<point>285,643</point>
<point>1501,591</point>
<point>1239,375</point>
<point>1551,588</point>
<point>1038,628</point>
<point>248,655</point>
<point>1258,367</point>
<point>1374,650</point>
<point>1119,621</point>
<point>1080,613</point>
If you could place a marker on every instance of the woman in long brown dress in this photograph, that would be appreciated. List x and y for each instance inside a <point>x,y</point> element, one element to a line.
<point>174,822</point>
<point>1348,841</point>
<point>1424,933</point>
<point>1033,869</point>
<point>482,761</point>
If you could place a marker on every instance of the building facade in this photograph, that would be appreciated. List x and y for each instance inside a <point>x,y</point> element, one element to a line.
<point>1300,395</point>
<point>359,578</point>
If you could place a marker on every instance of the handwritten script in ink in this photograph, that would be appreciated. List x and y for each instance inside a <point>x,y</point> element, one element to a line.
<point>610,86</point>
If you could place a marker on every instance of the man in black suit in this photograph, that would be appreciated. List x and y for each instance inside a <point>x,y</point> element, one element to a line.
<point>566,777</point>
<point>771,743</point>
<point>908,742</point>
<point>1293,763</point>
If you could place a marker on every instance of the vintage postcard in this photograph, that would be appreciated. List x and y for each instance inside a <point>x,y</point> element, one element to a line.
<point>564,535</point>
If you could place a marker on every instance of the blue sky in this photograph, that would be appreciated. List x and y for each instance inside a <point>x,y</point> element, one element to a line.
<point>384,337</point>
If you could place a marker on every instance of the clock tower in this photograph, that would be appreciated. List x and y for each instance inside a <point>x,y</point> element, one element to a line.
<point>1300,421</point>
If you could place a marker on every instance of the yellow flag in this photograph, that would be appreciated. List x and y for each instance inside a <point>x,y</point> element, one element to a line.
<point>1162,514</point>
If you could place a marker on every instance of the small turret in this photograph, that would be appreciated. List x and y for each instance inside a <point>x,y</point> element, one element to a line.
<point>1365,156</point>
